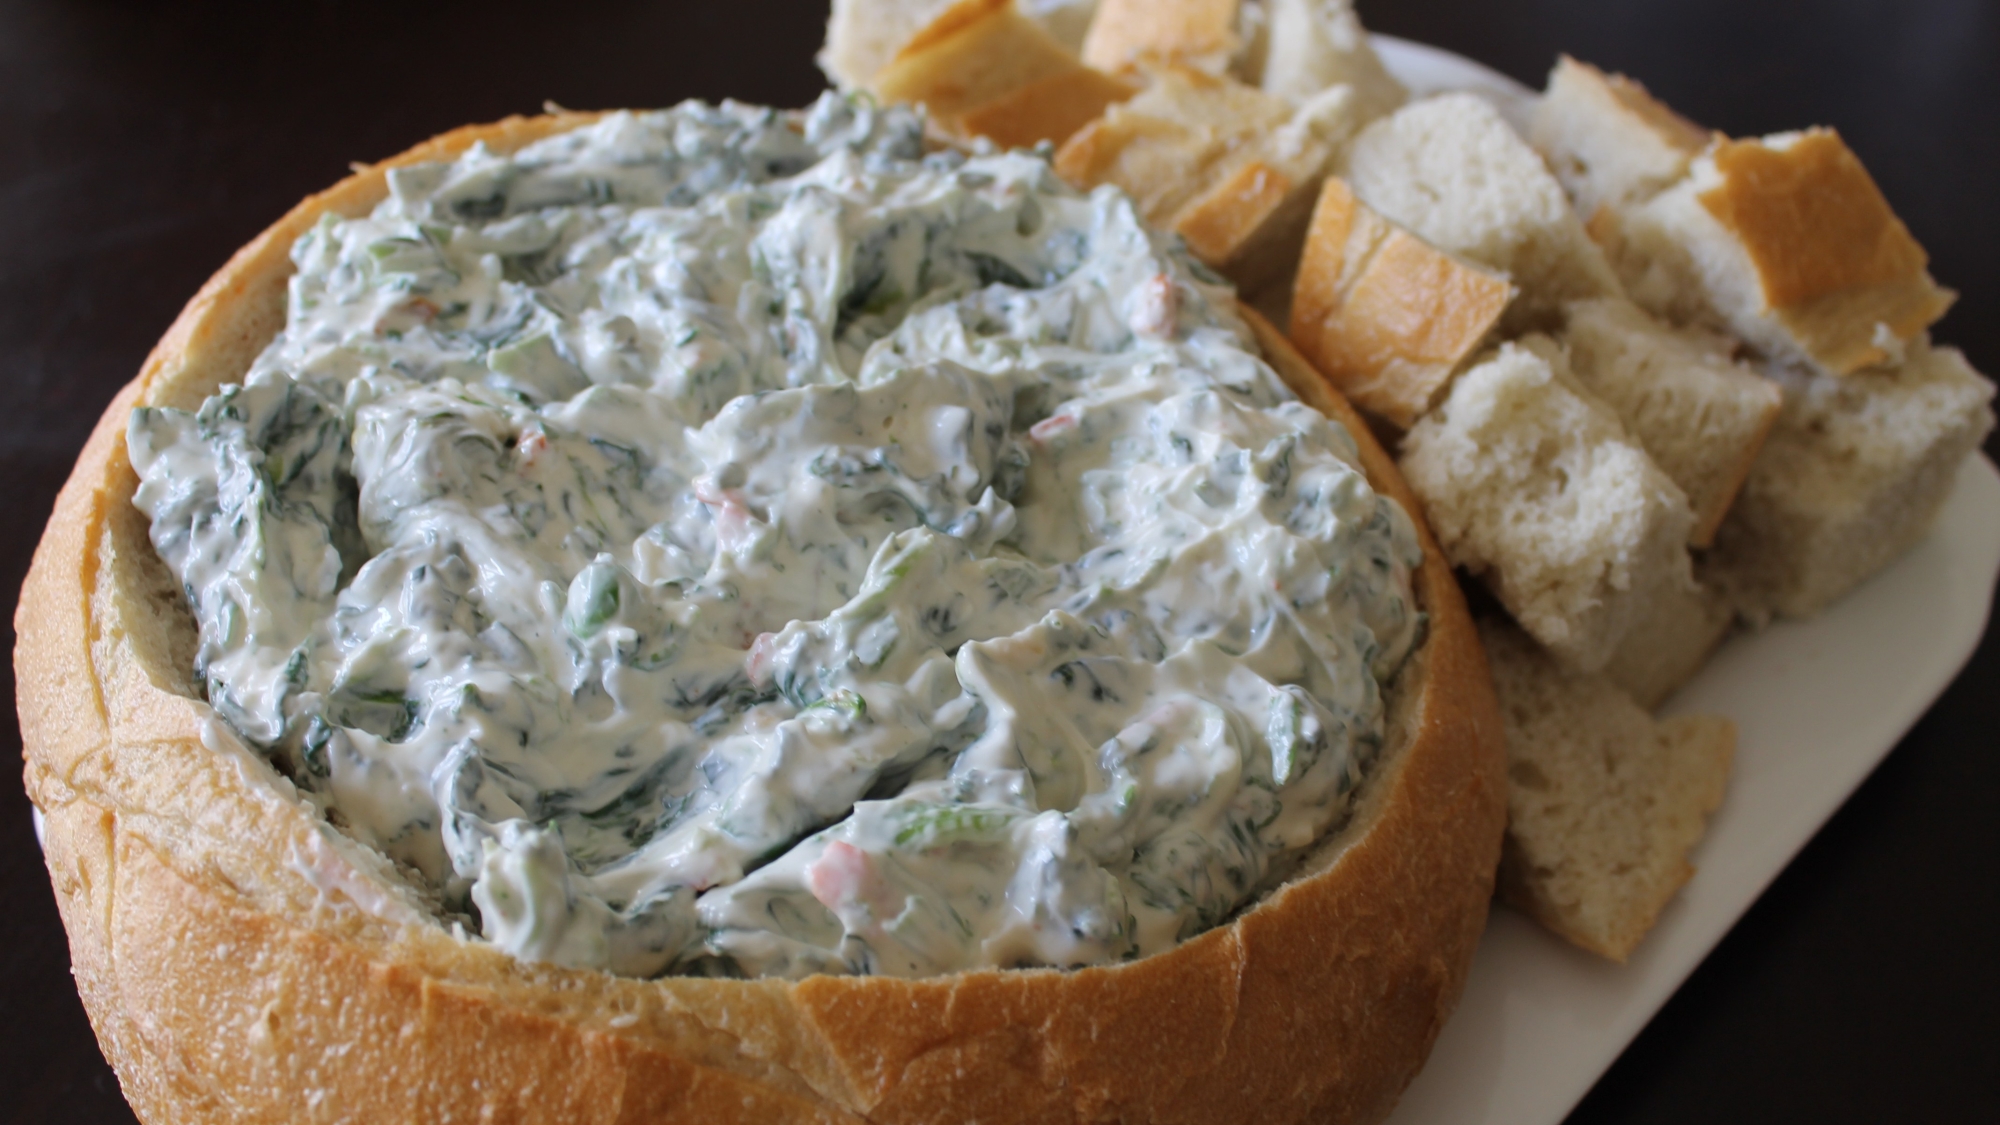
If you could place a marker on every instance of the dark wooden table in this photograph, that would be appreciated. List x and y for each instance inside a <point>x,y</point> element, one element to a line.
<point>141,143</point>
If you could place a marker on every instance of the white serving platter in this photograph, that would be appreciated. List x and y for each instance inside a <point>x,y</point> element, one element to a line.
<point>1818,704</point>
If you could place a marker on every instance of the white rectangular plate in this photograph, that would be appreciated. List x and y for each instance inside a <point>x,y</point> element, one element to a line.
<point>1818,704</point>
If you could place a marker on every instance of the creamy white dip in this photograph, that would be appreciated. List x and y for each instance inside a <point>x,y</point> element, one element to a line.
<point>723,540</point>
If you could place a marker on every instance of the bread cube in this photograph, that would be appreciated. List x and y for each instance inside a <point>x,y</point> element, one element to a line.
<point>1701,415</point>
<point>1230,168</point>
<point>1198,34</point>
<point>984,69</point>
<point>1383,314</point>
<point>1854,472</point>
<point>1603,803</point>
<point>1608,141</point>
<point>1454,173</point>
<point>862,36</point>
<point>1533,485</point>
<point>1670,642</point>
<point>1315,44</point>
<point>1786,242</point>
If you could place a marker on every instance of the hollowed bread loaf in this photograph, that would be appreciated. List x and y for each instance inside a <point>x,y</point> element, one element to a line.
<point>244,961</point>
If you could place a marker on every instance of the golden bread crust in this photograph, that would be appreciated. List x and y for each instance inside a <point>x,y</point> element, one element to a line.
<point>1198,33</point>
<point>974,52</point>
<point>1831,257</point>
<point>242,961</point>
<point>1387,316</point>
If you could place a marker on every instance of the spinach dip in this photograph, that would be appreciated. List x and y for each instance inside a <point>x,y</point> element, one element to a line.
<point>730,541</point>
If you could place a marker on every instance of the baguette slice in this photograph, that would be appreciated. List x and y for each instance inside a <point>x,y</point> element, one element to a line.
<point>241,957</point>
<point>1853,474</point>
<point>1316,44</point>
<point>984,69</point>
<point>1532,485</point>
<point>1388,317</point>
<point>1786,242</point>
<point>1454,173</point>
<point>1603,803</point>
<point>1609,141</point>
<point>1701,416</point>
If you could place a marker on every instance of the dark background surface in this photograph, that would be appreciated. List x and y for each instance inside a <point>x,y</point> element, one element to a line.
<point>141,143</point>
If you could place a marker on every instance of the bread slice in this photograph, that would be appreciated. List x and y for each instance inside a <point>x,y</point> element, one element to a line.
<point>984,69</point>
<point>1320,43</point>
<point>1532,485</point>
<point>1385,315</point>
<point>1231,169</point>
<point>1455,174</point>
<point>1785,241</point>
<point>1197,34</point>
<point>1701,415</point>
<point>1603,803</point>
<point>1670,642</point>
<point>863,35</point>
<point>1609,141</point>
<point>1854,472</point>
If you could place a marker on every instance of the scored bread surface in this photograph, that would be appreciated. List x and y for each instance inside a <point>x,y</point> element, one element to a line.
<point>242,961</point>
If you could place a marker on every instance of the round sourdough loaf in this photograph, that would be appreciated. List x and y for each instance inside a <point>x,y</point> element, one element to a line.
<point>244,961</point>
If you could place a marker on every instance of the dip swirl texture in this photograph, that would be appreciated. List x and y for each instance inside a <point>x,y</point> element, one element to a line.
<point>729,541</point>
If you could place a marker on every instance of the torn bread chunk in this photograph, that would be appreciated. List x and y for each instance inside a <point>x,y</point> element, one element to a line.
<point>1670,642</point>
<point>1854,472</point>
<point>1608,141</point>
<point>1202,35</point>
<point>1049,109</point>
<point>1383,314</point>
<point>1604,803</point>
<point>1786,242</point>
<point>1454,173</point>
<point>863,35</point>
<point>983,69</point>
<point>1231,169</point>
<point>1533,485</point>
<point>1315,44</point>
<point>1701,415</point>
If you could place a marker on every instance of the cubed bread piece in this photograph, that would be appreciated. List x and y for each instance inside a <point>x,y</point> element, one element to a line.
<point>1532,484</point>
<point>1315,44</point>
<point>1233,170</point>
<point>863,35</point>
<point>1383,314</point>
<point>1603,803</point>
<point>1199,34</point>
<point>1049,109</point>
<point>1454,173</point>
<point>1664,649</point>
<point>983,61</point>
<point>1851,477</point>
<point>1701,415</point>
<point>1786,242</point>
<point>1608,140</point>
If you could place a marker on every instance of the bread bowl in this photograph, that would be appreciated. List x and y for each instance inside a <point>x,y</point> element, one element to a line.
<point>242,960</point>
